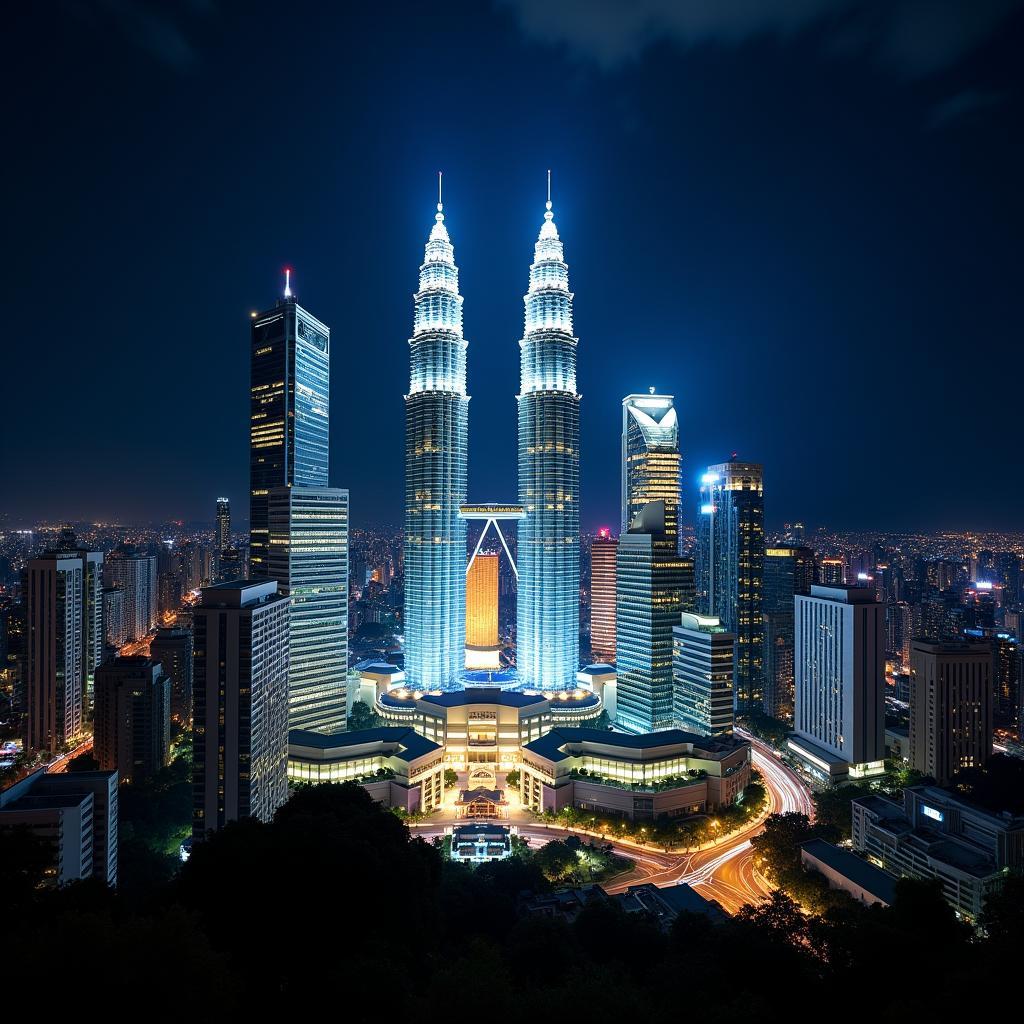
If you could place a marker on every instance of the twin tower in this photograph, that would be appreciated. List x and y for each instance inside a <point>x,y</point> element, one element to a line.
<point>436,457</point>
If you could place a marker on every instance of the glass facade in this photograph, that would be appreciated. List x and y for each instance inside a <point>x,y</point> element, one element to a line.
<point>730,567</point>
<point>436,449</point>
<point>308,556</point>
<point>289,413</point>
<point>548,627</point>
<point>650,457</point>
<point>649,584</point>
<point>702,674</point>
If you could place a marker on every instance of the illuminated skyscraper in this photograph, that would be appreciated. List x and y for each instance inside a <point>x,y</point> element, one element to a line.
<point>602,596</point>
<point>548,626</point>
<point>289,411</point>
<point>650,457</point>
<point>436,447</point>
<point>648,603</point>
<point>223,523</point>
<point>308,558</point>
<point>730,567</point>
<point>482,612</point>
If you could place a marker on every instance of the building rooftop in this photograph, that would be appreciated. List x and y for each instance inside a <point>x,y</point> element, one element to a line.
<point>856,869</point>
<point>391,741</point>
<point>553,745</point>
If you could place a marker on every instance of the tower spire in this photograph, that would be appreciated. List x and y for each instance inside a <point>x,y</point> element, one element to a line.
<point>287,282</point>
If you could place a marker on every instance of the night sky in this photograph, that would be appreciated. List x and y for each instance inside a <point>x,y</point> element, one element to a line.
<point>804,218</point>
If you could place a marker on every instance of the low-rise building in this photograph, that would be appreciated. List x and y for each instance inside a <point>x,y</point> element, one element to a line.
<point>76,813</point>
<point>670,773</point>
<point>479,843</point>
<point>936,834</point>
<point>396,766</point>
<point>845,870</point>
<point>483,729</point>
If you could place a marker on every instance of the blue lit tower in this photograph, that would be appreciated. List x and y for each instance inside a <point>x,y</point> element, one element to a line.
<point>549,474</point>
<point>436,443</point>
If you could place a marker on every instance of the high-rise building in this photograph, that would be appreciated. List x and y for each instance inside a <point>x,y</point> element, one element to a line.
<point>223,524</point>
<point>115,632</point>
<point>730,567</point>
<point>1006,711</point>
<point>832,572</point>
<point>173,649</point>
<point>603,553</point>
<point>840,680</point>
<point>548,611</point>
<point>436,451</point>
<point>136,575</point>
<point>647,606</point>
<point>240,704</point>
<point>482,647</point>
<point>133,717</point>
<point>76,814</point>
<point>64,643</point>
<point>650,457</point>
<point>702,675</point>
<point>289,410</point>
<point>788,571</point>
<point>308,557</point>
<point>950,706</point>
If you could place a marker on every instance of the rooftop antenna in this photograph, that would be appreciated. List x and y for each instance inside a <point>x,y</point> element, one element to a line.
<point>440,205</point>
<point>287,282</point>
<point>549,188</point>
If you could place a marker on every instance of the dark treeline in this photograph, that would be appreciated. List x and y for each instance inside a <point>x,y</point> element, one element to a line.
<point>333,909</point>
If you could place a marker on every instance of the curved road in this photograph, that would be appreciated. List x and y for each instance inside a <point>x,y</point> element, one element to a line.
<point>723,871</point>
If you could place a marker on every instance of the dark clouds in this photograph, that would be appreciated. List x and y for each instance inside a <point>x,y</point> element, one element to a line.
<point>913,37</point>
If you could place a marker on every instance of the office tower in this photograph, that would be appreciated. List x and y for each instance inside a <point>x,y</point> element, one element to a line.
<point>950,706</point>
<point>702,675</point>
<point>223,524</point>
<point>240,704</point>
<point>603,552</point>
<point>115,632</point>
<point>832,572</point>
<point>548,612</point>
<point>308,558</point>
<point>840,679</point>
<point>436,449</point>
<point>289,409</point>
<point>173,649</point>
<point>482,647</point>
<point>136,575</point>
<point>76,814</point>
<point>730,567</point>
<point>788,571</point>
<point>650,457</point>
<point>64,643</point>
<point>648,593</point>
<point>231,565</point>
<point>133,717</point>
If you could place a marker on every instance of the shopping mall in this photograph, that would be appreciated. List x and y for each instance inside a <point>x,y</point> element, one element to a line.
<point>484,732</point>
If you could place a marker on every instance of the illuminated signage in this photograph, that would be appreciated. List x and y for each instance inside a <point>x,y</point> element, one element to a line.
<point>931,812</point>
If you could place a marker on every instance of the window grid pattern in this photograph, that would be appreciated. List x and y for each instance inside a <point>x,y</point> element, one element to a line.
<point>436,453</point>
<point>548,604</point>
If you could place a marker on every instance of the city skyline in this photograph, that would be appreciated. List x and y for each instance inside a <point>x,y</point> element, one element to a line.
<point>738,269</point>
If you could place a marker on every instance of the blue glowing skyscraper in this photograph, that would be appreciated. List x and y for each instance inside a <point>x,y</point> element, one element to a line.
<point>548,638</point>
<point>436,446</point>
